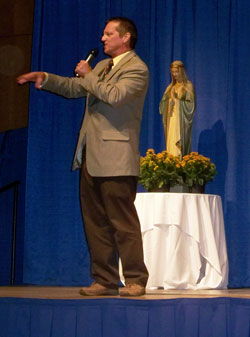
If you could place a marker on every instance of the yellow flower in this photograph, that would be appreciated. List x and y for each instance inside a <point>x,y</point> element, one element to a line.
<point>150,151</point>
<point>164,168</point>
<point>160,155</point>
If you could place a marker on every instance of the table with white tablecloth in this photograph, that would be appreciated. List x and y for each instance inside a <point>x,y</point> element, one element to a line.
<point>184,240</point>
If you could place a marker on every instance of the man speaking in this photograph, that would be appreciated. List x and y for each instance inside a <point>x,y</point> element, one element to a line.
<point>108,156</point>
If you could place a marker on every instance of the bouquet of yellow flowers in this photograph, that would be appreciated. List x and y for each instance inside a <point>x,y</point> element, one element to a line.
<point>159,170</point>
<point>197,169</point>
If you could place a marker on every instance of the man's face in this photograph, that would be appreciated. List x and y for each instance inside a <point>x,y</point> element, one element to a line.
<point>113,43</point>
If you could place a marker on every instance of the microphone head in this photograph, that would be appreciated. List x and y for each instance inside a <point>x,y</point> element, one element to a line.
<point>92,55</point>
<point>94,52</point>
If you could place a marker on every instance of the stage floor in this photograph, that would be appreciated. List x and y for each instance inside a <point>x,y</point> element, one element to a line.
<point>66,293</point>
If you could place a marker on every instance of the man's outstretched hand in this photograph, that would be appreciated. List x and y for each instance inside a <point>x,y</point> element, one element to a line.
<point>38,77</point>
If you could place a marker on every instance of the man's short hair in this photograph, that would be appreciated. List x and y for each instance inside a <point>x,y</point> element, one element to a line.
<point>126,25</point>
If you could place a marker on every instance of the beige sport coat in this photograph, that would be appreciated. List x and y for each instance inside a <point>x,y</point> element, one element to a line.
<point>111,123</point>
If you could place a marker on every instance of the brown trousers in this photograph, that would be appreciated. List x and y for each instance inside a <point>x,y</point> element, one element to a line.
<point>112,228</point>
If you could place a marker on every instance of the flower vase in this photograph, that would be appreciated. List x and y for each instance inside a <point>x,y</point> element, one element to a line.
<point>196,188</point>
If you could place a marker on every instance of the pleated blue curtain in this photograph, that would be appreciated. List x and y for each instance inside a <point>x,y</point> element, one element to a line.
<point>193,317</point>
<point>211,38</point>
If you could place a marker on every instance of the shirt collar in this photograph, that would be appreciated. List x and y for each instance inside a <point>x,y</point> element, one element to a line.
<point>119,57</point>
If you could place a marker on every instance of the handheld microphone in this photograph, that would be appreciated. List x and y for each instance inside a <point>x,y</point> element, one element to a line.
<point>90,58</point>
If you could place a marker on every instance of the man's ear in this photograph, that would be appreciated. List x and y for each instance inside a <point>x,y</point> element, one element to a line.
<point>126,37</point>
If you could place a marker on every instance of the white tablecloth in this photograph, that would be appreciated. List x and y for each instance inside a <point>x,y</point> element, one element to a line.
<point>184,240</point>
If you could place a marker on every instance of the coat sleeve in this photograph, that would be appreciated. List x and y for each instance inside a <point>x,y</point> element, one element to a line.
<point>129,81</point>
<point>68,87</point>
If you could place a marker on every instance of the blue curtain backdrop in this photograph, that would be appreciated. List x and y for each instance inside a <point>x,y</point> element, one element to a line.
<point>211,37</point>
<point>13,148</point>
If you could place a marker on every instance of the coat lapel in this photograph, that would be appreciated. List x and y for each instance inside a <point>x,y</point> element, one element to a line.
<point>118,66</point>
<point>92,99</point>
